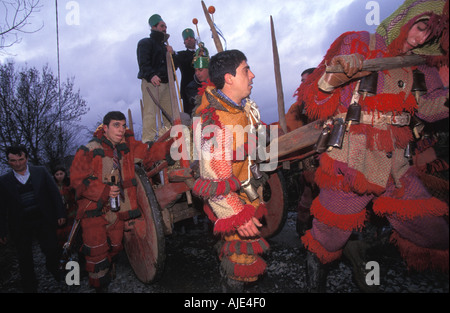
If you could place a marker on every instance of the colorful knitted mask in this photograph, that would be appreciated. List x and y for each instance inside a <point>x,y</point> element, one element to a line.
<point>395,28</point>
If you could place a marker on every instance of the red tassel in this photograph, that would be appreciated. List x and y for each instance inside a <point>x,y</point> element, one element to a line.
<point>315,247</point>
<point>421,258</point>
<point>349,180</point>
<point>229,225</point>
<point>209,212</point>
<point>251,270</point>
<point>258,246</point>
<point>409,209</point>
<point>261,210</point>
<point>341,221</point>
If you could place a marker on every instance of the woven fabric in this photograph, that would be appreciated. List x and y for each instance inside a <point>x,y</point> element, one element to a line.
<point>221,174</point>
<point>218,146</point>
<point>392,28</point>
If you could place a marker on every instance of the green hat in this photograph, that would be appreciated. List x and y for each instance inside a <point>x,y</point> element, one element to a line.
<point>187,33</point>
<point>201,57</point>
<point>154,20</point>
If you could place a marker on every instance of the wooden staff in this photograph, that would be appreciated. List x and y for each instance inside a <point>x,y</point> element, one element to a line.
<point>216,38</point>
<point>173,92</point>
<point>278,81</point>
<point>298,139</point>
<point>130,121</point>
<point>381,64</point>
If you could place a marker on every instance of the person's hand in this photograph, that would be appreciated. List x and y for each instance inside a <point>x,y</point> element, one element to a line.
<point>250,228</point>
<point>61,221</point>
<point>352,65</point>
<point>114,191</point>
<point>169,49</point>
<point>156,81</point>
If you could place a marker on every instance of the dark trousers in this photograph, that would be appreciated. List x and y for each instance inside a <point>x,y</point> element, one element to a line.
<point>45,234</point>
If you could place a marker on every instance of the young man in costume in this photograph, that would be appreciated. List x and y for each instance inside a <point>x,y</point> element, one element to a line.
<point>201,77</point>
<point>235,214</point>
<point>183,60</point>
<point>151,57</point>
<point>371,163</point>
<point>112,153</point>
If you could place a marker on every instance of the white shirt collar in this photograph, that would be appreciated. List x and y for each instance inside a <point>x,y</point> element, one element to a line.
<point>23,178</point>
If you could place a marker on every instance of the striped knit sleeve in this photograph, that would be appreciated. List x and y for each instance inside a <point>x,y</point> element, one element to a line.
<point>217,183</point>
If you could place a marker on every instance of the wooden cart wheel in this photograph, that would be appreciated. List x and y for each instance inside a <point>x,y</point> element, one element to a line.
<point>275,196</point>
<point>145,242</point>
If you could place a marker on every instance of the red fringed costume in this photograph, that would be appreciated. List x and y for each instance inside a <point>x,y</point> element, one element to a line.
<point>102,229</point>
<point>371,165</point>
<point>222,170</point>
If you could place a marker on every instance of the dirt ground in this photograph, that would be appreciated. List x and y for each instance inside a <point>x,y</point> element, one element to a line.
<point>191,266</point>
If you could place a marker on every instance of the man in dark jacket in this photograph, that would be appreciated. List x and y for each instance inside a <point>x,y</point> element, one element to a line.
<point>183,61</point>
<point>151,57</point>
<point>31,205</point>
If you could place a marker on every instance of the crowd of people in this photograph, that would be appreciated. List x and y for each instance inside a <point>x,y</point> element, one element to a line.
<point>368,166</point>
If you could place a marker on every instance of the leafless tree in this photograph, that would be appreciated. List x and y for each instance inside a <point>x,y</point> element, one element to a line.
<point>16,20</point>
<point>33,112</point>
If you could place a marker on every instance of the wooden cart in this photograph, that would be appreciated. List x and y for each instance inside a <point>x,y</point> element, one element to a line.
<point>164,197</point>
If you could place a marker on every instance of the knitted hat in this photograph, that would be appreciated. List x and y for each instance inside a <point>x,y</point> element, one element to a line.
<point>154,20</point>
<point>201,57</point>
<point>187,33</point>
<point>395,28</point>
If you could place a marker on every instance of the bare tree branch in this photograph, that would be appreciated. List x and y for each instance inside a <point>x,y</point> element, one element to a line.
<point>15,20</point>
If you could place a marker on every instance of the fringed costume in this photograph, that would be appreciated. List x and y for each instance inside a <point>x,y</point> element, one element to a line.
<point>371,165</point>
<point>91,171</point>
<point>223,168</point>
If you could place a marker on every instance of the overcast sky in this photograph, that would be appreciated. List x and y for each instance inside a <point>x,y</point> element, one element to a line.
<point>98,41</point>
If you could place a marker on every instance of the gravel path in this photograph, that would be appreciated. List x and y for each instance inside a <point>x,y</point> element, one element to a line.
<point>191,267</point>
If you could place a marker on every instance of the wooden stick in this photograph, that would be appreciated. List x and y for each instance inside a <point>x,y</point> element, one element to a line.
<point>155,100</point>
<point>216,38</point>
<point>278,81</point>
<point>130,121</point>
<point>298,139</point>
<point>173,92</point>
<point>381,64</point>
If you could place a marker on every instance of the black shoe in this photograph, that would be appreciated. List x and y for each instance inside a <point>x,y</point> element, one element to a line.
<point>355,252</point>
<point>316,274</point>
<point>232,286</point>
<point>229,285</point>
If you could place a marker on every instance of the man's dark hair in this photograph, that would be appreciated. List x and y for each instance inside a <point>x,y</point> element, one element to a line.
<point>113,115</point>
<point>308,71</point>
<point>222,63</point>
<point>16,150</point>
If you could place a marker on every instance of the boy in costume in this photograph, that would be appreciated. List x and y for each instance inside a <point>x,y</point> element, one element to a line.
<point>112,152</point>
<point>234,213</point>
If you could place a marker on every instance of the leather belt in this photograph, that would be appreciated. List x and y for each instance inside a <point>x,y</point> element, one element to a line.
<point>376,118</point>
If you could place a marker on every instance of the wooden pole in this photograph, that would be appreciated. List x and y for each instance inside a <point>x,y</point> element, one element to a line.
<point>130,121</point>
<point>216,38</point>
<point>173,92</point>
<point>278,81</point>
<point>279,84</point>
<point>381,64</point>
<point>300,138</point>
